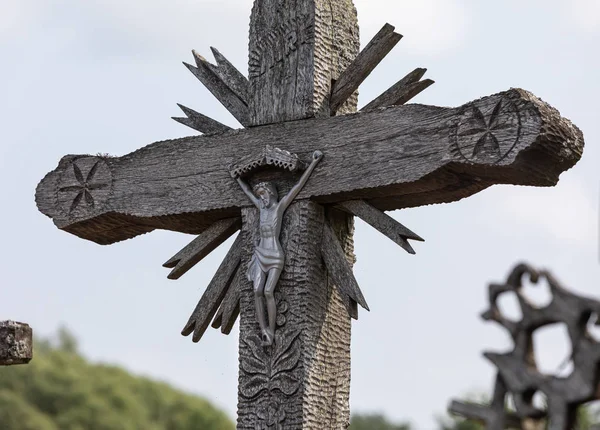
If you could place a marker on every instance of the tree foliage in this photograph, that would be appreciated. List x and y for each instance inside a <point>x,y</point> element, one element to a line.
<point>60,389</point>
<point>375,422</point>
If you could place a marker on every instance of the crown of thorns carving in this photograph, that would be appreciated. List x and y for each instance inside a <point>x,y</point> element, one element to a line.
<point>518,374</point>
<point>267,157</point>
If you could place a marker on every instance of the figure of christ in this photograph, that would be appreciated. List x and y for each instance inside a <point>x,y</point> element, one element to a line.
<point>268,259</point>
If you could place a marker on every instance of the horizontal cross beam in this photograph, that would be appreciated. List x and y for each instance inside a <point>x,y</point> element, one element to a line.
<point>407,156</point>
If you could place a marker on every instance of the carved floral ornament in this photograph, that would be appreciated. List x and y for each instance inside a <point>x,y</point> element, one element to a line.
<point>84,186</point>
<point>487,131</point>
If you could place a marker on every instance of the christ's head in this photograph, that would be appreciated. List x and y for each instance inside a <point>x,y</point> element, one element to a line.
<point>267,193</point>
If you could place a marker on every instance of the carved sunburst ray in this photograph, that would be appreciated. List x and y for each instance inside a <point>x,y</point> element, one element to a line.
<point>220,302</point>
<point>215,293</point>
<point>232,88</point>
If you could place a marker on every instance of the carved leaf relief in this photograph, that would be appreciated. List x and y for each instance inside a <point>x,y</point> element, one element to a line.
<point>270,368</point>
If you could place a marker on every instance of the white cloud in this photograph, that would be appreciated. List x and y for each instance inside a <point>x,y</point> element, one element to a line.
<point>566,212</point>
<point>428,26</point>
<point>586,14</point>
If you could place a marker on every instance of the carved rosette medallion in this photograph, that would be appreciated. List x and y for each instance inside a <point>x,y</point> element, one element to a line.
<point>84,186</point>
<point>487,131</point>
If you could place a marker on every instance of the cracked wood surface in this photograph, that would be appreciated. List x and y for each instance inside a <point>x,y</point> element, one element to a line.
<point>362,66</point>
<point>215,293</point>
<point>200,122</point>
<point>200,247</point>
<point>230,307</point>
<point>409,156</point>
<point>382,222</point>
<point>304,379</point>
<point>211,78</point>
<point>296,50</point>
<point>340,271</point>
<point>391,96</point>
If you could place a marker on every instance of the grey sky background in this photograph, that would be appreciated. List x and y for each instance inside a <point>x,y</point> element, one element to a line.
<point>104,76</point>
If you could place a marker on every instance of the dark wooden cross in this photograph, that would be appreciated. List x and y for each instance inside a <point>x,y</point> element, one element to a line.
<point>301,96</point>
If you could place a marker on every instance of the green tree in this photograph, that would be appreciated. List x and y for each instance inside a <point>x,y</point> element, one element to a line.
<point>60,389</point>
<point>17,414</point>
<point>66,341</point>
<point>375,422</point>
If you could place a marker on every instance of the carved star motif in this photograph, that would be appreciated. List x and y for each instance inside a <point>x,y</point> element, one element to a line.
<point>488,130</point>
<point>485,129</point>
<point>85,187</point>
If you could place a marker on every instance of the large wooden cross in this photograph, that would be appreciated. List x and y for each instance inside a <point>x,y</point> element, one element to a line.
<point>300,96</point>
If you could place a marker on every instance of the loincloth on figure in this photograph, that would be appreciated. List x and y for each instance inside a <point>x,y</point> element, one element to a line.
<point>264,260</point>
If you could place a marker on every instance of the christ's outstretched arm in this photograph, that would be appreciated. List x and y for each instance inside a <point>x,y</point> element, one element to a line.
<point>248,191</point>
<point>289,197</point>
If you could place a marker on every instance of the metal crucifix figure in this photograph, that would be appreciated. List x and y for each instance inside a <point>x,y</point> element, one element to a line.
<point>268,258</point>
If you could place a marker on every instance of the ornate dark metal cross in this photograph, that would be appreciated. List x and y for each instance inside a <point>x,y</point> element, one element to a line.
<point>518,375</point>
<point>301,96</point>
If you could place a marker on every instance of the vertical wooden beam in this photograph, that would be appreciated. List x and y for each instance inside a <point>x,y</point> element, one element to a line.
<point>297,49</point>
<point>304,379</point>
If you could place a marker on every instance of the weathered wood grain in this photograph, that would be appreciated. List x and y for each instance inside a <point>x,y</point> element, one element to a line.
<point>231,76</point>
<point>16,343</point>
<point>200,247</point>
<point>382,222</point>
<point>363,65</point>
<point>339,269</point>
<point>402,92</point>
<point>296,50</point>
<point>215,292</point>
<point>412,91</point>
<point>230,307</point>
<point>206,74</point>
<point>387,98</point>
<point>408,156</point>
<point>305,377</point>
<point>200,122</point>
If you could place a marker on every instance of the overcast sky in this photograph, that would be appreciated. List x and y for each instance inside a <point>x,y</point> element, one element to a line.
<point>104,76</point>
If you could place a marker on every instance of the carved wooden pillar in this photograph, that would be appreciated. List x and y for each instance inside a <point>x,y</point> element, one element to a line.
<point>297,49</point>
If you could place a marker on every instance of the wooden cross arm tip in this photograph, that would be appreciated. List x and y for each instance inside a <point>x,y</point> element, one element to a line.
<point>408,156</point>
